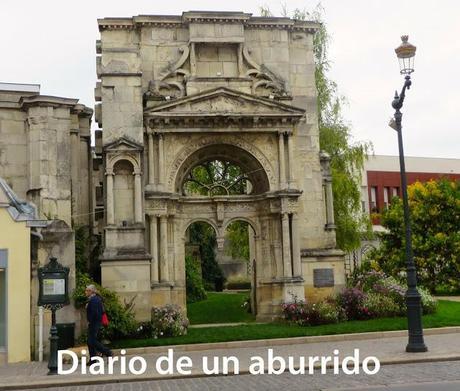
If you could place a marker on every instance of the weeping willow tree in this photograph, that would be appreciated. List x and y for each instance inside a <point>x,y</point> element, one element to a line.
<point>335,138</point>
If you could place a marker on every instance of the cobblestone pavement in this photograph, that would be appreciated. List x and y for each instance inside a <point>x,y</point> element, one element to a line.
<point>446,375</point>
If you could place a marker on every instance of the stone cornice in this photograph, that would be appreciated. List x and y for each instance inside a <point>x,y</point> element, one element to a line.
<point>82,111</point>
<point>271,195</point>
<point>46,101</point>
<point>179,113</point>
<point>215,17</point>
<point>207,17</point>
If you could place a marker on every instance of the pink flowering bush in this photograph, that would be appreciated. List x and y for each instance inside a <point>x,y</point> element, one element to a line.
<point>352,300</point>
<point>375,282</point>
<point>168,321</point>
<point>306,314</point>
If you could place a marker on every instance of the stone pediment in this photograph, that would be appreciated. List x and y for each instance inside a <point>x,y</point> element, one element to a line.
<point>224,104</point>
<point>123,144</point>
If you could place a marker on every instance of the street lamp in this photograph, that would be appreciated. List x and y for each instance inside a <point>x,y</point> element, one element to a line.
<point>406,53</point>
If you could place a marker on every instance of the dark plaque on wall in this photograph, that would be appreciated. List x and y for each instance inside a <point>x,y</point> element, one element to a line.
<point>323,278</point>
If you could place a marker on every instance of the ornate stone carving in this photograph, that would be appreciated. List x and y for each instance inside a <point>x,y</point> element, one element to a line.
<point>172,79</point>
<point>221,105</point>
<point>264,77</point>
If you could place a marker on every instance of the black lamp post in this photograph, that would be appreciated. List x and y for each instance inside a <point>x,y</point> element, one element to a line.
<point>406,53</point>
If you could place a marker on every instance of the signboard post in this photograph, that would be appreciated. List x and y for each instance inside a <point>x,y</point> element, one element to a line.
<point>53,282</point>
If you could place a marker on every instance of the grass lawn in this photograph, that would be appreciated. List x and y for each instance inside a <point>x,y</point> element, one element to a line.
<point>220,308</point>
<point>448,314</point>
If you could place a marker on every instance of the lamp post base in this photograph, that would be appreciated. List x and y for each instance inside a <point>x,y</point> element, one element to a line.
<point>416,343</point>
<point>416,348</point>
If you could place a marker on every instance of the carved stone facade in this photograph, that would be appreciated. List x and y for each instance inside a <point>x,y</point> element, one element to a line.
<point>45,157</point>
<point>177,91</point>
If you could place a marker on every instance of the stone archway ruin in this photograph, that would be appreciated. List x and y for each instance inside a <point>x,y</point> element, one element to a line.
<point>180,91</point>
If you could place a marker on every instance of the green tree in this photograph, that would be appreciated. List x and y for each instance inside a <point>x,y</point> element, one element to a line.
<point>335,138</point>
<point>205,235</point>
<point>238,237</point>
<point>435,218</point>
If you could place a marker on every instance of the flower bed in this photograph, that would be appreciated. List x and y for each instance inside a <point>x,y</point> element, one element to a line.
<point>372,295</point>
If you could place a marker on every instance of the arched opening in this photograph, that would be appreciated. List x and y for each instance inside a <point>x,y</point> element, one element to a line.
<point>123,192</point>
<point>216,177</point>
<point>238,260</point>
<point>202,270</point>
<point>221,169</point>
<point>208,259</point>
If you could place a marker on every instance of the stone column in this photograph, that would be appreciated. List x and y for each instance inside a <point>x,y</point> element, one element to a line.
<point>282,167</point>
<point>164,272</point>
<point>287,269</point>
<point>172,259</point>
<point>154,248</point>
<point>329,203</point>
<point>240,60</point>
<point>266,257</point>
<point>151,160</point>
<point>137,197</point>
<point>75,172</point>
<point>297,264</point>
<point>192,59</point>
<point>160,160</point>
<point>290,159</point>
<point>109,198</point>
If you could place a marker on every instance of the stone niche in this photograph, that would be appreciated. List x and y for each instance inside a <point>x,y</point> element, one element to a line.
<point>123,192</point>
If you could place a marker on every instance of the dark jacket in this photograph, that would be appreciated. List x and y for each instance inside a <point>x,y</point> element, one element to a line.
<point>94,309</point>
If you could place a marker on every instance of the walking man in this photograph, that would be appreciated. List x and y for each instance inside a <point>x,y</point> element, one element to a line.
<point>94,311</point>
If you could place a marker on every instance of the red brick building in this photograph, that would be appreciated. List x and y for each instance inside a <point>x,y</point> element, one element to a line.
<point>381,179</point>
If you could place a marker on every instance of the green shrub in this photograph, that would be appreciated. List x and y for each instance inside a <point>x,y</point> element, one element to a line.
<point>194,281</point>
<point>305,314</point>
<point>168,321</point>
<point>429,303</point>
<point>380,306</point>
<point>379,283</point>
<point>238,282</point>
<point>122,322</point>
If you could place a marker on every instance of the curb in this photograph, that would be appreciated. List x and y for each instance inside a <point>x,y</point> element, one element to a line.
<point>62,382</point>
<point>136,379</point>
<point>257,343</point>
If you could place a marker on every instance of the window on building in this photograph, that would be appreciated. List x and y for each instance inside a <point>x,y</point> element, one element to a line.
<point>373,204</point>
<point>395,192</point>
<point>386,197</point>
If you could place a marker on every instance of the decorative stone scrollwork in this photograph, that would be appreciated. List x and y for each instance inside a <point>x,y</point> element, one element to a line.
<point>171,81</point>
<point>264,78</point>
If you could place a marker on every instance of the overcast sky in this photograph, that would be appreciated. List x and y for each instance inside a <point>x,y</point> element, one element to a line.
<point>52,43</point>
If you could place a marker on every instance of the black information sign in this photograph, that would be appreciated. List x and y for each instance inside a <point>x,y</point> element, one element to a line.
<point>323,278</point>
<point>53,281</point>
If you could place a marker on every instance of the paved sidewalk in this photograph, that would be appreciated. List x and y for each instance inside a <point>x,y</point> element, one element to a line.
<point>389,350</point>
<point>450,298</point>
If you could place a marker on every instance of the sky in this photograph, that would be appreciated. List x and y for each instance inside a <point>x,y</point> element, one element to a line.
<point>52,43</point>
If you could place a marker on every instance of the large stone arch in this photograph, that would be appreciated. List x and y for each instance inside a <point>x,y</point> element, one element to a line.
<point>180,162</point>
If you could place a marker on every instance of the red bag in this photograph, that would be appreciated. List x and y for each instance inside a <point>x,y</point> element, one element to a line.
<point>105,320</point>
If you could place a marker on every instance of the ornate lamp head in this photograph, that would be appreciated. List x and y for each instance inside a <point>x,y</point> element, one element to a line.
<point>406,53</point>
